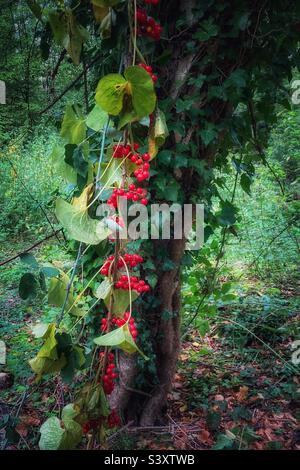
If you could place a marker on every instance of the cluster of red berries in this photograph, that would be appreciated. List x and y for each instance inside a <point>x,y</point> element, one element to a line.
<point>120,322</point>
<point>113,419</point>
<point>110,375</point>
<point>147,25</point>
<point>152,2</point>
<point>129,260</point>
<point>148,69</point>
<point>139,285</point>
<point>122,151</point>
<point>132,194</point>
<point>90,425</point>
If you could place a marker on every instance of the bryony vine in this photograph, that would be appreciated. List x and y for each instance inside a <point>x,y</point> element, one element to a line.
<point>122,100</point>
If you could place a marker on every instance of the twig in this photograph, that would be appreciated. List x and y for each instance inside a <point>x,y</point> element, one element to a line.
<point>58,98</point>
<point>9,260</point>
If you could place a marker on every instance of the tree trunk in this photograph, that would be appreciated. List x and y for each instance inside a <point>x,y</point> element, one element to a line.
<point>146,407</point>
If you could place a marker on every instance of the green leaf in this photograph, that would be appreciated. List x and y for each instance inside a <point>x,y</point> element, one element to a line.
<point>75,158</point>
<point>27,286</point>
<point>223,442</point>
<point>67,32</point>
<point>49,347</point>
<point>110,93</point>
<point>206,30</point>
<point>237,79</point>
<point>43,365</point>
<point>158,133</point>
<point>57,294</point>
<point>112,172</point>
<point>97,118</point>
<point>103,289</point>
<point>75,219</point>
<point>213,420</point>
<point>203,327</point>
<point>29,259</point>
<point>35,8</point>
<point>73,128</point>
<point>106,3</point>
<point>62,434</point>
<point>61,167</point>
<point>208,134</point>
<point>169,188</point>
<point>121,338</point>
<point>142,90</point>
<point>246,183</point>
<point>40,329</point>
<point>50,271</point>
<point>51,434</point>
<point>121,300</point>
<point>227,215</point>
<point>59,27</point>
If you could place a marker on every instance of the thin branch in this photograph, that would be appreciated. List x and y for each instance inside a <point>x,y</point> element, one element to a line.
<point>9,260</point>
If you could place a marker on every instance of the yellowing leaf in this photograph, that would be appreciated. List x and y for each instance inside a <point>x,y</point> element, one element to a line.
<point>76,220</point>
<point>158,134</point>
<point>73,128</point>
<point>120,338</point>
<point>110,93</point>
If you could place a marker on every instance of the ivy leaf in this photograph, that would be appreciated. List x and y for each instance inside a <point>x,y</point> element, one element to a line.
<point>237,79</point>
<point>207,30</point>
<point>97,118</point>
<point>110,93</point>
<point>121,338</point>
<point>168,189</point>
<point>208,134</point>
<point>73,128</point>
<point>27,286</point>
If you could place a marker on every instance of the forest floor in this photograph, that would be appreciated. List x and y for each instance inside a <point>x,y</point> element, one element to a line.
<point>236,388</point>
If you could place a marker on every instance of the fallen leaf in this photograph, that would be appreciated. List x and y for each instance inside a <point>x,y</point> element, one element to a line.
<point>243,393</point>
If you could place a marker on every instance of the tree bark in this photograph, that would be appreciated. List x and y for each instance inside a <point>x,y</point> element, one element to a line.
<point>146,408</point>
